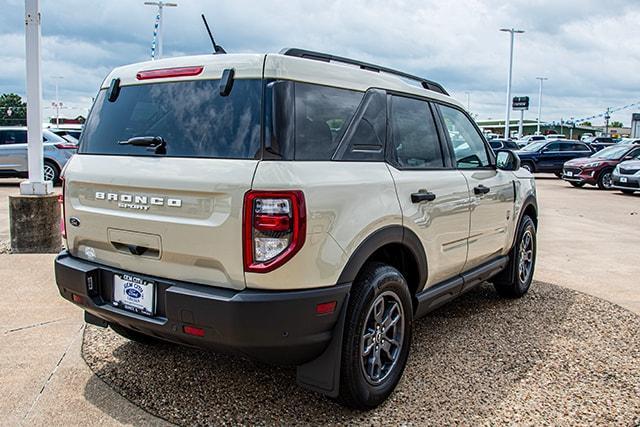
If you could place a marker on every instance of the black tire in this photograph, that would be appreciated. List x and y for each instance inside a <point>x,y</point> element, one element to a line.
<point>558,174</point>
<point>577,184</point>
<point>366,390</point>
<point>528,166</point>
<point>133,335</point>
<point>511,282</point>
<point>628,191</point>
<point>605,181</point>
<point>51,172</point>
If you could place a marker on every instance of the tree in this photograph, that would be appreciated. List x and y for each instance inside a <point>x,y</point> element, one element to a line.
<point>616,124</point>
<point>586,124</point>
<point>13,112</point>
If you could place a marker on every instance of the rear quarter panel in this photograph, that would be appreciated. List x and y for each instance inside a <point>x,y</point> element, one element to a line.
<point>346,202</point>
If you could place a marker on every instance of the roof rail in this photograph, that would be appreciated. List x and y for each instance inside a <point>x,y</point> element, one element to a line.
<point>324,57</point>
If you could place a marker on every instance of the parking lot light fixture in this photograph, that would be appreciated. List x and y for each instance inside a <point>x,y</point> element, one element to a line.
<point>512,33</point>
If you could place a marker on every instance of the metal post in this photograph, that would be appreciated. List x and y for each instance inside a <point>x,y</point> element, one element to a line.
<point>158,43</point>
<point>468,101</point>
<point>521,125</point>
<point>607,116</point>
<point>512,33</point>
<point>540,102</point>
<point>35,185</point>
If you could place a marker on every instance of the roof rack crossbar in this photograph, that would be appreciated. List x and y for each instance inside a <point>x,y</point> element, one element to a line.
<point>324,57</point>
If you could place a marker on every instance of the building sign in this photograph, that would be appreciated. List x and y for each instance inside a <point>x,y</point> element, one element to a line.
<point>520,103</point>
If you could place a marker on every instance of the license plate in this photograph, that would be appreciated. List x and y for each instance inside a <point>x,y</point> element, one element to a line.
<point>133,294</point>
<point>569,173</point>
<point>623,179</point>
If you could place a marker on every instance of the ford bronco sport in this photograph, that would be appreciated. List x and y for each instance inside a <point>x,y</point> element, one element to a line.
<point>297,208</point>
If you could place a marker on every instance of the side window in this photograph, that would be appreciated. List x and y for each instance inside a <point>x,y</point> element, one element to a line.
<point>13,137</point>
<point>415,136</point>
<point>366,137</point>
<point>580,147</point>
<point>468,147</point>
<point>322,116</point>
<point>554,146</point>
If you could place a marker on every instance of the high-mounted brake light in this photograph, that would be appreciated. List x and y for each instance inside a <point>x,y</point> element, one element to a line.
<point>164,73</point>
<point>274,228</point>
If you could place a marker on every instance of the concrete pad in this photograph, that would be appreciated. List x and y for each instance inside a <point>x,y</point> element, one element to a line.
<point>588,241</point>
<point>44,380</point>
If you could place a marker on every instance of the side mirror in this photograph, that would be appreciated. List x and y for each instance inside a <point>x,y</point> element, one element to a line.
<point>507,160</point>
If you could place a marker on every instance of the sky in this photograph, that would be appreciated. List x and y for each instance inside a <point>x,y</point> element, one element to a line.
<point>589,50</point>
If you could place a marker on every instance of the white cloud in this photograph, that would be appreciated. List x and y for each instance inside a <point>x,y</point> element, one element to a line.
<point>586,48</point>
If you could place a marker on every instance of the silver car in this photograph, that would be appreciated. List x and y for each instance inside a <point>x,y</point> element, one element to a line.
<point>13,153</point>
<point>626,176</point>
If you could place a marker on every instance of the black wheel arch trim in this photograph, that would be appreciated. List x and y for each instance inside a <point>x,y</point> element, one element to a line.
<point>379,238</point>
<point>530,201</point>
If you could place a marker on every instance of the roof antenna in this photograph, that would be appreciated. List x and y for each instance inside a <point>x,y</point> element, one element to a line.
<point>216,47</point>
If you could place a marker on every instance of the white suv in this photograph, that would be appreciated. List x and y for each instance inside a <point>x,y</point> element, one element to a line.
<point>298,208</point>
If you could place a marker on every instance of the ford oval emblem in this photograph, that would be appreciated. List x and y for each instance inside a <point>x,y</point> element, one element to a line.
<point>133,293</point>
<point>74,221</point>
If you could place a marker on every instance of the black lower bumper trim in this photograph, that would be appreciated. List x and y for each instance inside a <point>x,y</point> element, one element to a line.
<point>279,327</point>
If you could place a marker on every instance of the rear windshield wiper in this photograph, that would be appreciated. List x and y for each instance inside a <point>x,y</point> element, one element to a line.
<point>156,143</point>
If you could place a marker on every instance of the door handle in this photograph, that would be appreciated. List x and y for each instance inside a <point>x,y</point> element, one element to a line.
<point>422,196</point>
<point>481,189</point>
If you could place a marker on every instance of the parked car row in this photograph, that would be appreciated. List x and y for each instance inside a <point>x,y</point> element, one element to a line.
<point>613,165</point>
<point>13,152</point>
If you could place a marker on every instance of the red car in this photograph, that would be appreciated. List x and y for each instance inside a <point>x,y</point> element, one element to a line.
<point>597,168</point>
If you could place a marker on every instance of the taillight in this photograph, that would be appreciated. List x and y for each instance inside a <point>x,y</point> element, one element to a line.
<point>66,146</point>
<point>164,73</point>
<point>63,219</point>
<point>274,228</point>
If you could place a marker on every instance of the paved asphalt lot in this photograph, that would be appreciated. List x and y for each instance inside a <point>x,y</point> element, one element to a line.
<point>588,241</point>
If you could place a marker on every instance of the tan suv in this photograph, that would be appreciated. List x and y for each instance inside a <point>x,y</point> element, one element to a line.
<point>297,208</point>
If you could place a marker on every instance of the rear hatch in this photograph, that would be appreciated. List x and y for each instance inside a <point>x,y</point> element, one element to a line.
<point>171,207</point>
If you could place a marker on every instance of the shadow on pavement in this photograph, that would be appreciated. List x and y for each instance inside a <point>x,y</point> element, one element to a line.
<point>553,355</point>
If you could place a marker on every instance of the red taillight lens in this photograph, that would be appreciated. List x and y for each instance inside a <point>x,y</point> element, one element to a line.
<point>165,73</point>
<point>64,146</point>
<point>274,228</point>
<point>268,223</point>
<point>63,219</point>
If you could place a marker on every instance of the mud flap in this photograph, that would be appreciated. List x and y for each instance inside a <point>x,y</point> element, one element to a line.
<point>322,374</point>
<point>94,320</point>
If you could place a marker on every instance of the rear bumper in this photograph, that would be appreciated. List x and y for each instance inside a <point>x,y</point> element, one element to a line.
<point>275,327</point>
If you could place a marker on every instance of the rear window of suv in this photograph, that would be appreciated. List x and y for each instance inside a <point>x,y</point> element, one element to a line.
<point>191,116</point>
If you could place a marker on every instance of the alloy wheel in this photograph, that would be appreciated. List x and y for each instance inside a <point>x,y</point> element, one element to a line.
<point>382,337</point>
<point>607,181</point>
<point>525,265</point>
<point>49,172</point>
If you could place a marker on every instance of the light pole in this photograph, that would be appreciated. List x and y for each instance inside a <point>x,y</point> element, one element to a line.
<point>512,32</point>
<point>541,79</point>
<point>468,101</point>
<point>157,30</point>
<point>607,116</point>
<point>57,104</point>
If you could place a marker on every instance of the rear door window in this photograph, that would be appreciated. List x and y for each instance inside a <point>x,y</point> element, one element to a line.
<point>416,144</point>
<point>191,116</point>
<point>322,115</point>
